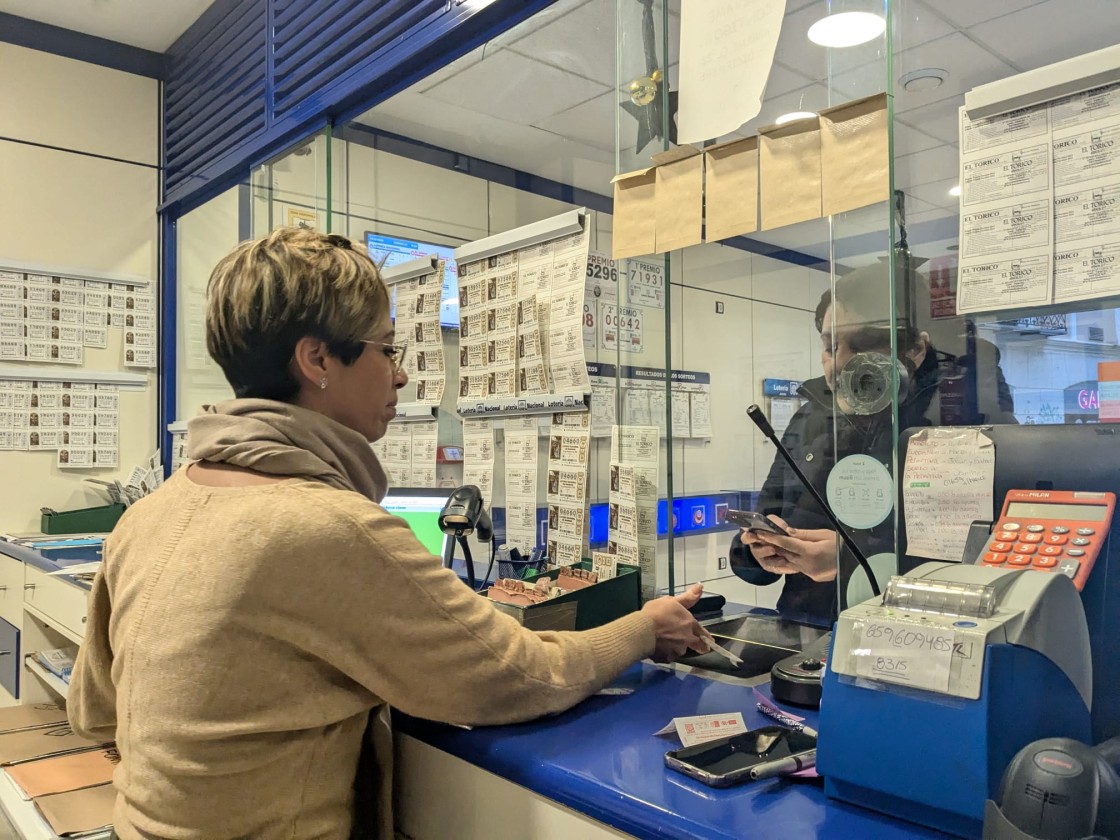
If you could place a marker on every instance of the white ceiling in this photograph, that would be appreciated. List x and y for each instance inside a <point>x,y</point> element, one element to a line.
<point>148,24</point>
<point>543,97</point>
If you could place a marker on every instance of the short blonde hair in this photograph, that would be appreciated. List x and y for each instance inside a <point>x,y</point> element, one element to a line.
<point>269,293</point>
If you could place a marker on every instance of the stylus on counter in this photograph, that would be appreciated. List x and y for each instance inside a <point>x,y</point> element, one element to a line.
<point>784,766</point>
<point>785,719</point>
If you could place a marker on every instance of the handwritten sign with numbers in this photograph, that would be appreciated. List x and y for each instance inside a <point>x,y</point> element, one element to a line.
<point>908,654</point>
<point>646,284</point>
<point>622,328</point>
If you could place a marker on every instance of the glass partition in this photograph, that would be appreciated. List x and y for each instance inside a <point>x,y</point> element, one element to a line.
<point>539,120</point>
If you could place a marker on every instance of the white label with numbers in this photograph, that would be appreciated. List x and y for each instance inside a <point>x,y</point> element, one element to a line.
<point>917,655</point>
<point>646,284</point>
<point>622,328</point>
<point>602,278</point>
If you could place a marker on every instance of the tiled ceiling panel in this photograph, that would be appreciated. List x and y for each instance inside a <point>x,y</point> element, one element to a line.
<point>965,13</point>
<point>580,42</point>
<point>925,167</point>
<point>509,85</point>
<point>1053,31</point>
<point>968,65</point>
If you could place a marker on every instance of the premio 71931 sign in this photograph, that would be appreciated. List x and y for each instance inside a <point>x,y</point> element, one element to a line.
<point>622,328</point>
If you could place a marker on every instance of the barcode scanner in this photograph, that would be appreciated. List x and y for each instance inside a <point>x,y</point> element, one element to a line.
<point>465,514</point>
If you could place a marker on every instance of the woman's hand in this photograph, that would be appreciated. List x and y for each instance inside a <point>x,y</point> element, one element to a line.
<point>811,551</point>
<point>676,629</point>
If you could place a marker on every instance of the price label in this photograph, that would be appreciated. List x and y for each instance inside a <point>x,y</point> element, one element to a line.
<point>622,328</point>
<point>646,284</point>
<point>908,654</point>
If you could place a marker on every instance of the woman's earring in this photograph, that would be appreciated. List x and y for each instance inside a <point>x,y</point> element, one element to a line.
<point>323,383</point>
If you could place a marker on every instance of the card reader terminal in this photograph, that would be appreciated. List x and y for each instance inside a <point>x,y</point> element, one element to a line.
<point>1051,531</point>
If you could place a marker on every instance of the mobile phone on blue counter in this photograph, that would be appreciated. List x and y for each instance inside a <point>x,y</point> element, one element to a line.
<point>758,754</point>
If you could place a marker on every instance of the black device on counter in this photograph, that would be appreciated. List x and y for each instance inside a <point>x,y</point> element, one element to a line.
<point>755,521</point>
<point>1058,789</point>
<point>465,514</point>
<point>760,753</point>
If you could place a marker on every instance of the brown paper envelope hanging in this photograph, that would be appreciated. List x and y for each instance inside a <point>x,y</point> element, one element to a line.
<point>789,173</point>
<point>34,743</point>
<point>73,771</point>
<point>731,189</point>
<point>78,811</point>
<point>855,155</point>
<point>635,219</point>
<point>31,716</point>
<point>679,198</point>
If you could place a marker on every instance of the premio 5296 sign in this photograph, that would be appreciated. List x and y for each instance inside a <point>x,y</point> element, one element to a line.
<point>622,328</point>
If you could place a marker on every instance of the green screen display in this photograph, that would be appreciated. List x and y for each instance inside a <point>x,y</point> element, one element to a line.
<point>425,525</point>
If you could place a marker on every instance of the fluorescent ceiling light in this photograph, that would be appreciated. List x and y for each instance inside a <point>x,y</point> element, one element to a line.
<point>847,29</point>
<point>955,191</point>
<point>793,116</point>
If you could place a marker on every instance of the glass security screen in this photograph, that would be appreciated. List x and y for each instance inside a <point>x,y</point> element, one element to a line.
<point>420,509</point>
<point>396,251</point>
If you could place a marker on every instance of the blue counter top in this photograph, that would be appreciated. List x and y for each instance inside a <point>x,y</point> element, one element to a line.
<point>602,759</point>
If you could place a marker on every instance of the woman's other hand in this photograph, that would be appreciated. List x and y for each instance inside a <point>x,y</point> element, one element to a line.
<point>676,628</point>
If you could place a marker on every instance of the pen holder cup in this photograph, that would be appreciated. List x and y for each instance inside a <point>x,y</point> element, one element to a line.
<point>522,569</point>
<point>582,609</point>
<point>94,520</point>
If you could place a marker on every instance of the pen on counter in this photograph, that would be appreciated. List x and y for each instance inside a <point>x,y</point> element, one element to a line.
<point>784,719</point>
<point>784,766</point>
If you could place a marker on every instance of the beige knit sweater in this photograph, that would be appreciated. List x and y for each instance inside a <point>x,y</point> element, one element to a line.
<point>239,636</point>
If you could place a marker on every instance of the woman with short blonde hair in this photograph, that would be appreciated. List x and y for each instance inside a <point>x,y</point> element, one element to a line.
<point>255,615</point>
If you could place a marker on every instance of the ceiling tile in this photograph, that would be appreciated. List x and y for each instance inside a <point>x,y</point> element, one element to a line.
<point>591,122</point>
<point>783,80</point>
<point>914,24</point>
<point>966,13</point>
<point>926,167</point>
<point>146,24</point>
<point>506,84</point>
<point>968,65</point>
<point>908,140</point>
<point>580,42</point>
<point>938,119</point>
<point>1048,32</point>
<point>936,193</point>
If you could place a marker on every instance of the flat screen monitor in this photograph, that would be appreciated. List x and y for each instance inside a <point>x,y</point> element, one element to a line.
<point>420,508</point>
<point>395,250</point>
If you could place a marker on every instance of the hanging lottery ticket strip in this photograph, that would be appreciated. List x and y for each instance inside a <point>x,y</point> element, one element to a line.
<point>521,308</point>
<point>51,315</point>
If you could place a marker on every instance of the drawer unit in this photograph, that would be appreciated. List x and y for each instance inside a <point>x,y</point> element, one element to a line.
<point>9,658</point>
<point>11,590</point>
<point>61,602</point>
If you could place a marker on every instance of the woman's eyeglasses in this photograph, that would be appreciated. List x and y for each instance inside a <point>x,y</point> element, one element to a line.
<point>394,352</point>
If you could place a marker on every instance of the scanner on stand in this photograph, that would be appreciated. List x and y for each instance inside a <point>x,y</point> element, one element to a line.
<point>931,690</point>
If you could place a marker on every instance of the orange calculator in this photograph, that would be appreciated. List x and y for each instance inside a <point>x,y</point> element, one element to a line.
<point>1051,531</point>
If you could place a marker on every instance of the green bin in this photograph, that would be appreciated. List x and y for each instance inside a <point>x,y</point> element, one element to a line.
<point>94,520</point>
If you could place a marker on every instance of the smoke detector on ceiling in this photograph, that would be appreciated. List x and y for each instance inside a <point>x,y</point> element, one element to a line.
<point>927,78</point>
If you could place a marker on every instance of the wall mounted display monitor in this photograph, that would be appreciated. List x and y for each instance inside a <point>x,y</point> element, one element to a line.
<point>396,250</point>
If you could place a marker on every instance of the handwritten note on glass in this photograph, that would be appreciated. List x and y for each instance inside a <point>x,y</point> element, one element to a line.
<point>908,654</point>
<point>946,485</point>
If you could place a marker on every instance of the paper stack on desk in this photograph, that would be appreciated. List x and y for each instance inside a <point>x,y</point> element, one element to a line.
<point>78,812</point>
<point>73,771</point>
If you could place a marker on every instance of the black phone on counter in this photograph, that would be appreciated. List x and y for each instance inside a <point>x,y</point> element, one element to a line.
<point>755,522</point>
<point>729,761</point>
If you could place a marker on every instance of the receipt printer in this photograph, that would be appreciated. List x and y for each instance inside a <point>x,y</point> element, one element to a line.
<point>932,689</point>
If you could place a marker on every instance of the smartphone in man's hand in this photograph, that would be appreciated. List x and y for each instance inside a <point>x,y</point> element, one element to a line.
<point>754,521</point>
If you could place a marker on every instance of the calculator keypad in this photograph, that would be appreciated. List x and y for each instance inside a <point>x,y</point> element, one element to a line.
<point>1047,547</point>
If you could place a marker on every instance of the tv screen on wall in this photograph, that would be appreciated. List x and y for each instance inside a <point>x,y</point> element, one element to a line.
<point>396,250</point>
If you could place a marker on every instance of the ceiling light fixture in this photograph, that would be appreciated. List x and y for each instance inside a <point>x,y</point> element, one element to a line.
<point>927,78</point>
<point>955,191</point>
<point>794,116</point>
<point>847,29</point>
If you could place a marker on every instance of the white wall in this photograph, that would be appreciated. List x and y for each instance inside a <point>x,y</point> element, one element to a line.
<point>204,236</point>
<point>63,207</point>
